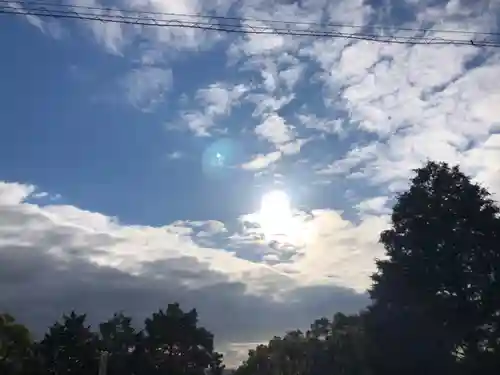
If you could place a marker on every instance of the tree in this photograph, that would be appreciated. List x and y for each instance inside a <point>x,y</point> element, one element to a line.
<point>336,347</point>
<point>123,344</point>
<point>176,345</point>
<point>15,345</point>
<point>346,345</point>
<point>436,300</point>
<point>70,347</point>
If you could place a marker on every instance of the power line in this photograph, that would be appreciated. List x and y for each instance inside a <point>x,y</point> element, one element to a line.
<point>250,26</point>
<point>244,19</point>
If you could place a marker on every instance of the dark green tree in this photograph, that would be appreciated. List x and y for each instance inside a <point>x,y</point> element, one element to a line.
<point>176,345</point>
<point>336,347</point>
<point>436,295</point>
<point>346,345</point>
<point>122,343</point>
<point>171,343</point>
<point>15,346</point>
<point>70,347</point>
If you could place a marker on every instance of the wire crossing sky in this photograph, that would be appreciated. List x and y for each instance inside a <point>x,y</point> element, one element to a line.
<point>375,33</point>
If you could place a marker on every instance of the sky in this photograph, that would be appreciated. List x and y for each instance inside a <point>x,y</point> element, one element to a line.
<point>248,176</point>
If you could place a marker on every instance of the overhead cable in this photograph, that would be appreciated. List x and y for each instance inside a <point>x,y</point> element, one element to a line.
<point>374,33</point>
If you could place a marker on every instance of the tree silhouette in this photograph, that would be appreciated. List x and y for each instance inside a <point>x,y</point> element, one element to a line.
<point>70,347</point>
<point>176,344</point>
<point>436,300</point>
<point>336,347</point>
<point>171,343</point>
<point>15,345</point>
<point>122,343</point>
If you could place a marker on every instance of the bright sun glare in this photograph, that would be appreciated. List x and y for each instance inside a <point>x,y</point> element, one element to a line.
<point>276,216</point>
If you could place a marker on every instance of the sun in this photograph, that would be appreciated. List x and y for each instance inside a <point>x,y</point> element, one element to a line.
<point>276,215</point>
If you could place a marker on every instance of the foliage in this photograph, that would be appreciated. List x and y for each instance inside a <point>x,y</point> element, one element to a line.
<point>15,345</point>
<point>335,347</point>
<point>436,300</point>
<point>170,343</point>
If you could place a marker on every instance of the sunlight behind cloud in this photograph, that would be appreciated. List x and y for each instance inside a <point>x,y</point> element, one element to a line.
<point>276,214</point>
<point>279,222</point>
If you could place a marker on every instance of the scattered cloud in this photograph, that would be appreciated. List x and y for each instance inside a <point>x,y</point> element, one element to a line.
<point>322,247</point>
<point>403,96</point>
<point>111,35</point>
<point>40,195</point>
<point>294,147</point>
<point>274,130</point>
<point>13,193</point>
<point>374,206</point>
<point>147,86</point>
<point>33,20</point>
<point>175,155</point>
<point>324,125</point>
<point>262,161</point>
<point>211,104</point>
<point>218,98</point>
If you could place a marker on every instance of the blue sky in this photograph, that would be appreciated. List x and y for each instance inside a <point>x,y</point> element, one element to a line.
<point>134,160</point>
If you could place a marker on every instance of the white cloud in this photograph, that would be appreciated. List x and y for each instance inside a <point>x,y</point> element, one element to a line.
<point>218,98</point>
<point>258,45</point>
<point>216,102</point>
<point>416,102</point>
<point>210,228</point>
<point>40,195</point>
<point>325,125</point>
<point>14,193</point>
<point>180,38</point>
<point>147,86</point>
<point>33,20</point>
<point>110,35</point>
<point>262,161</point>
<point>268,104</point>
<point>374,206</point>
<point>293,147</point>
<point>114,37</point>
<point>195,121</point>
<point>352,159</point>
<point>275,130</point>
<point>291,76</point>
<point>484,161</point>
<point>339,251</point>
<point>325,248</point>
<point>175,155</point>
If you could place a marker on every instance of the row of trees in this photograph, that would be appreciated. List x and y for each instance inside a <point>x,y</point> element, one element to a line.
<point>169,343</point>
<point>435,309</point>
<point>435,298</point>
<point>328,347</point>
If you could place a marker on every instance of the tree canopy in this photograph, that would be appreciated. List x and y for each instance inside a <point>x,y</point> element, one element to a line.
<point>436,297</point>
<point>15,345</point>
<point>435,309</point>
<point>171,342</point>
